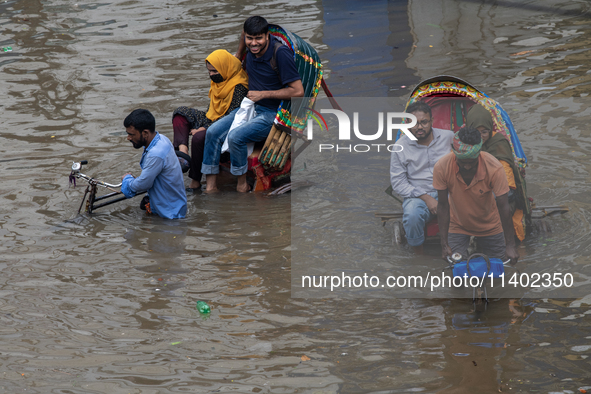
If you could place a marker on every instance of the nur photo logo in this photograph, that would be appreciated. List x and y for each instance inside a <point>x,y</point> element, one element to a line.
<point>348,131</point>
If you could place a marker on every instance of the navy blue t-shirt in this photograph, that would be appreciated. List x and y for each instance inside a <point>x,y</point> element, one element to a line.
<point>261,75</point>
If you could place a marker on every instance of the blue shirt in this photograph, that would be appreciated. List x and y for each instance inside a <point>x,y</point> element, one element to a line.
<point>162,177</point>
<point>261,75</point>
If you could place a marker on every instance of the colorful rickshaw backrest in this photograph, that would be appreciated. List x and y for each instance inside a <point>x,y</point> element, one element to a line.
<point>451,114</point>
<point>310,69</point>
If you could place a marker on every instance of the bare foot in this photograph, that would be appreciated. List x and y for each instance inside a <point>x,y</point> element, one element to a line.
<point>243,189</point>
<point>195,184</point>
<point>243,186</point>
<point>184,149</point>
<point>211,181</point>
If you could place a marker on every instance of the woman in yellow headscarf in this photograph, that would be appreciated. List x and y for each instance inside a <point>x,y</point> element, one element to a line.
<point>229,85</point>
<point>497,145</point>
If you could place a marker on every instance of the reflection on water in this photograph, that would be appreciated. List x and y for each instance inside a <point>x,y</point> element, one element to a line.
<point>367,46</point>
<point>106,303</point>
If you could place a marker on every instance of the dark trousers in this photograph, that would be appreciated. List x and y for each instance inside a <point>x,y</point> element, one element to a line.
<point>182,131</point>
<point>492,246</point>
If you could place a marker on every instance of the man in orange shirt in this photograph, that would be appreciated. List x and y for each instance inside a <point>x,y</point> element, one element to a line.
<point>473,179</point>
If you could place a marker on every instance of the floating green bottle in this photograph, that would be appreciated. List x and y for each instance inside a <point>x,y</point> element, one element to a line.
<point>202,307</point>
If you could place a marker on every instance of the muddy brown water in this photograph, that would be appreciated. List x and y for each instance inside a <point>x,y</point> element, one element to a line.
<point>106,303</point>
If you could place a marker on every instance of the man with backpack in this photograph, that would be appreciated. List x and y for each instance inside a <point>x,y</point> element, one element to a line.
<point>273,77</point>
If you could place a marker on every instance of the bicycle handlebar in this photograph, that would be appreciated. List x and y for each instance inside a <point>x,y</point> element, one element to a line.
<point>452,261</point>
<point>76,166</point>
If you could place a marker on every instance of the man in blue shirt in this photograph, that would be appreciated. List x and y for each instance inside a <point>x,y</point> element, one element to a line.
<point>161,175</point>
<point>267,87</point>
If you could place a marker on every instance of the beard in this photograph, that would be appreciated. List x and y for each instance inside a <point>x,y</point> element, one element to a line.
<point>141,143</point>
<point>425,135</point>
<point>259,48</point>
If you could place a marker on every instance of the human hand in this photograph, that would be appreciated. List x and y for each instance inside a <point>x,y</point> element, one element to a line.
<point>431,204</point>
<point>255,95</point>
<point>512,254</point>
<point>124,175</point>
<point>195,131</point>
<point>446,253</point>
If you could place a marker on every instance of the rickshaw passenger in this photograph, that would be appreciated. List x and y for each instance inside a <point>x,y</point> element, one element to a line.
<point>229,85</point>
<point>411,173</point>
<point>497,145</point>
<point>467,181</point>
<point>269,84</point>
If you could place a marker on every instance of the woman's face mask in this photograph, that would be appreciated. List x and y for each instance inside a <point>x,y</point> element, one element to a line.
<point>217,78</point>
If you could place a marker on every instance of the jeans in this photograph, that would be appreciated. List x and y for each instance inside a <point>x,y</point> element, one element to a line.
<point>256,129</point>
<point>415,216</point>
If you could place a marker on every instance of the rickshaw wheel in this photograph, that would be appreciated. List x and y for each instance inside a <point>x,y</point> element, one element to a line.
<point>398,233</point>
<point>542,226</point>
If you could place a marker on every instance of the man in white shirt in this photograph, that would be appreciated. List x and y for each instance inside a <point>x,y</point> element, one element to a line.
<point>411,172</point>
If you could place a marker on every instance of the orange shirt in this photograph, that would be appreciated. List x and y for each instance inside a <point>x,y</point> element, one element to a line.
<point>473,209</point>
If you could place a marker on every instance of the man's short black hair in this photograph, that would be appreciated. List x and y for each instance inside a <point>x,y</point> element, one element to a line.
<point>256,25</point>
<point>141,119</point>
<point>419,106</point>
<point>469,135</point>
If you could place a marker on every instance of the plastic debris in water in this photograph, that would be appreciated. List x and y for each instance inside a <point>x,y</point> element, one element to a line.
<point>202,307</point>
<point>7,49</point>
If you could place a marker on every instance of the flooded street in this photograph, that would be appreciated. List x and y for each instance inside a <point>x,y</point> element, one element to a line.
<point>105,303</point>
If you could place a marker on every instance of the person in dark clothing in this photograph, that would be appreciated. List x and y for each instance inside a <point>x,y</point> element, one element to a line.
<point>229,85</point>
<point>498,145</point>
<point>268,86</point>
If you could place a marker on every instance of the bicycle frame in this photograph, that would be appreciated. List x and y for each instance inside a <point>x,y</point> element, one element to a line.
<point>91,189</point>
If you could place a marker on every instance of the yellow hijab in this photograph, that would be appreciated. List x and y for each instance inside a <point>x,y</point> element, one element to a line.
<point>220,94</point>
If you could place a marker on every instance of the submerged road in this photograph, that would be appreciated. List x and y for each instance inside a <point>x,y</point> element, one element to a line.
<point>106,303</point>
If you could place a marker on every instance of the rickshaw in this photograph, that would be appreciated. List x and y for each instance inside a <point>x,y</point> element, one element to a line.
<point>450,98</point>
<point>270,163</point>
